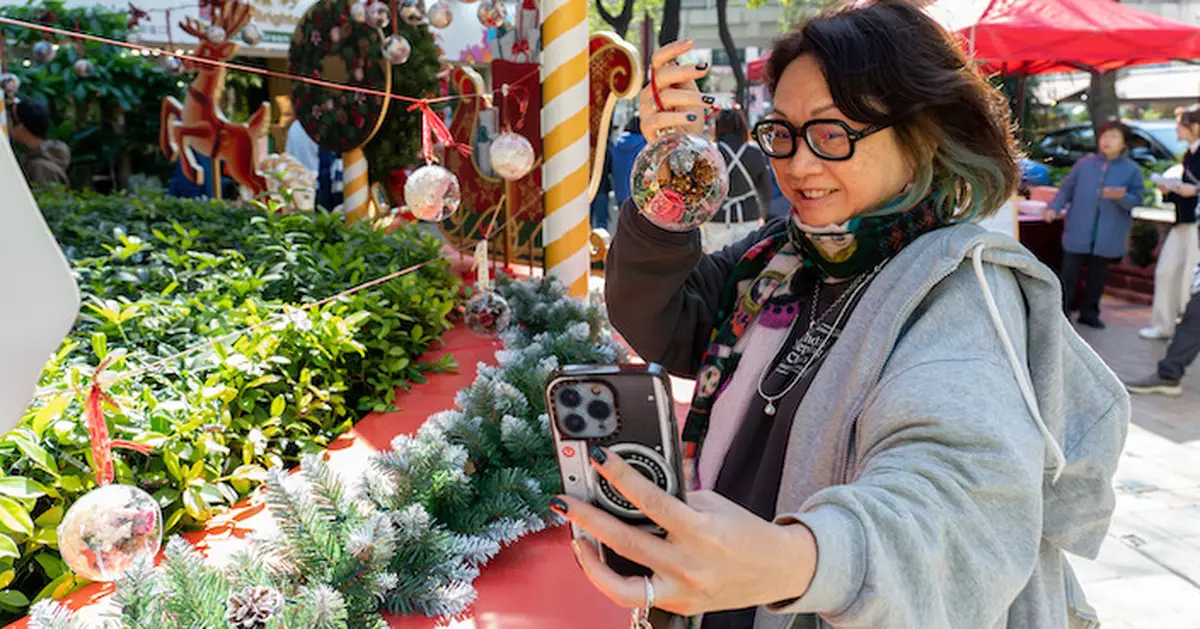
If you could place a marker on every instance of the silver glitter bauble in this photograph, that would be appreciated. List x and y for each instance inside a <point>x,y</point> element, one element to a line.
<point>43,52</point>
<point>488,314</point>
<point>358,12</point>
<point>492,13</point>
<point>440,14</point>
<point>84,68</point>
<point>9,84</point>
<point>107,529</point>
<point>251,35</point>
<point>215,34</point>
<point>379,15</point>
<point>396,50</point>
<point>511,155</point>
<point>432,193</point>
<point>412,11</point>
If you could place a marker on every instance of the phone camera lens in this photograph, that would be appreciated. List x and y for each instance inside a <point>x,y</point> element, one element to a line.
<point>570,398</point>
<point>574,423</point>
<point>599,410</point>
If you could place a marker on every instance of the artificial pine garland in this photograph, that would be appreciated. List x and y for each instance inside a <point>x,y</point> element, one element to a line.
<point>413,535</point>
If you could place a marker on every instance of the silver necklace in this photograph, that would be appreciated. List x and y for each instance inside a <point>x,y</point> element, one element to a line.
<point>847,297</point>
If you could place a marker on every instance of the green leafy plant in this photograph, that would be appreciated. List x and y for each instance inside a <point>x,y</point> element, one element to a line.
<point>160,275</point>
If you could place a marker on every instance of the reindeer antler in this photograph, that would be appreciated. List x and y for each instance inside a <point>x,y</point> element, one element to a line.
<point>232,16</point>
<point>193,27</point>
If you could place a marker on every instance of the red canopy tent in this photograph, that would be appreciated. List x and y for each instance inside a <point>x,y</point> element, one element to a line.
<point>1042,36</point>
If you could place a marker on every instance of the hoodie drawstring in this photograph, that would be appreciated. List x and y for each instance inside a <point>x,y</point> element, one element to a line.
<point>1023,380</point>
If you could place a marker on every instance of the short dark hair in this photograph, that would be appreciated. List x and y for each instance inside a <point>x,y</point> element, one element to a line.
<point>34,115</point>
<point>731,122</point>
<point>888,63</point>
<point>1126,132</point>
<point>1189,116</point>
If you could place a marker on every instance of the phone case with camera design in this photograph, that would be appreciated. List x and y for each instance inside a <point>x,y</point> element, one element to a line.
<point>628,410</point>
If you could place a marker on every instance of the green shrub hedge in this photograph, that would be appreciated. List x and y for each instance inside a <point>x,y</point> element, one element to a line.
<point>159,275</point>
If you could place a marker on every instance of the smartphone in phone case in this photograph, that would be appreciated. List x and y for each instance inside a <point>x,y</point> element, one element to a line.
<point>628,410</point>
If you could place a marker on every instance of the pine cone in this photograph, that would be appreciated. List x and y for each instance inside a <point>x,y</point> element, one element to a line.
<point>253,606</point>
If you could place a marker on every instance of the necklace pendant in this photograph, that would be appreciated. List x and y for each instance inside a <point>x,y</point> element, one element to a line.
<point>770,408</point>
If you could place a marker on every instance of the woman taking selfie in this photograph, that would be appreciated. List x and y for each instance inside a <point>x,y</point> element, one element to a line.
<point>893,425</point>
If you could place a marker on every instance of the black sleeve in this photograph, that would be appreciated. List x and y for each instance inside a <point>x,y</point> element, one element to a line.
<point>663,292</point>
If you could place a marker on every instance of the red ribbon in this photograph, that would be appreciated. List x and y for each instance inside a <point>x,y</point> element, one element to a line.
<point>517,91</point>
<point>433,129</point>
<point>102,444</point>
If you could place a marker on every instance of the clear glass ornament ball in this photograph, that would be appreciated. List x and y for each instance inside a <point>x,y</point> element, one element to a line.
<point>251,36</point>
<point>488,313</point>
<point>379,15</point>
<point>679,181</point>
<point>440,15</point>
<point>511,156</point>
<point>215,34</point>
<point>358,12</point>
<point>43,52</point>
<point>107,529</point>
<point>84,68</point>
<point>432,193</point>
<point>396,49</point>
<point>412,12</point>
<point>492,13</point>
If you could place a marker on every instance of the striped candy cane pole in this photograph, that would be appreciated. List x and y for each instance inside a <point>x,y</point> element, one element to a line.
<point>357,198</point>
<point>565,143</point>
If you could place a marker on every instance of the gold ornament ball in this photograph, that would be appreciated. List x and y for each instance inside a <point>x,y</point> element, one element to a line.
<point>107,529</point>
<point>432,193</point>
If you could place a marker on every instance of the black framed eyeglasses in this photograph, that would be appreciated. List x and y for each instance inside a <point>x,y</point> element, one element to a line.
<point>831,140</point>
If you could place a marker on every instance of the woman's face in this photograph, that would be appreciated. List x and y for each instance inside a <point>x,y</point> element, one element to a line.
<point>1112,143</point>
<point>826,192</point>
<point>1186,133</point>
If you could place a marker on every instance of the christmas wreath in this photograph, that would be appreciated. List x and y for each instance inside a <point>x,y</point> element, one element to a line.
<point>329,45</point>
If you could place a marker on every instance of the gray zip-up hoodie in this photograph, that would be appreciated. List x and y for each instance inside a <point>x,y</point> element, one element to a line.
<point>942,475</point>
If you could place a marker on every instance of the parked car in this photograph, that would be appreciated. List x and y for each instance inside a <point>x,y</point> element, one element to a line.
<point>1154,144</point>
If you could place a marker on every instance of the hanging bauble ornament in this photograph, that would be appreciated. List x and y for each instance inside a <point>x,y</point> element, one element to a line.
<point>172,65</point>
<point>492,13</point>
<point>215,34</point>
<point>396,50</point>
<point>511,155</point>
<point>84,68</point>
<point>43,52</point>
<point>432,193</point>
<point>106,529</point>
<point>412,11</point>
<point>9,84</point>
<point>488,314</point>
<point>251,36</point>
<point>679,181</point>
<point>358,12</point>
<point>440,15</point>
<point>379,15</point>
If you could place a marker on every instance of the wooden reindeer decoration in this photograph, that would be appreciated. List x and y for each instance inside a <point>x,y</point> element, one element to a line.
<point>198,124</point>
